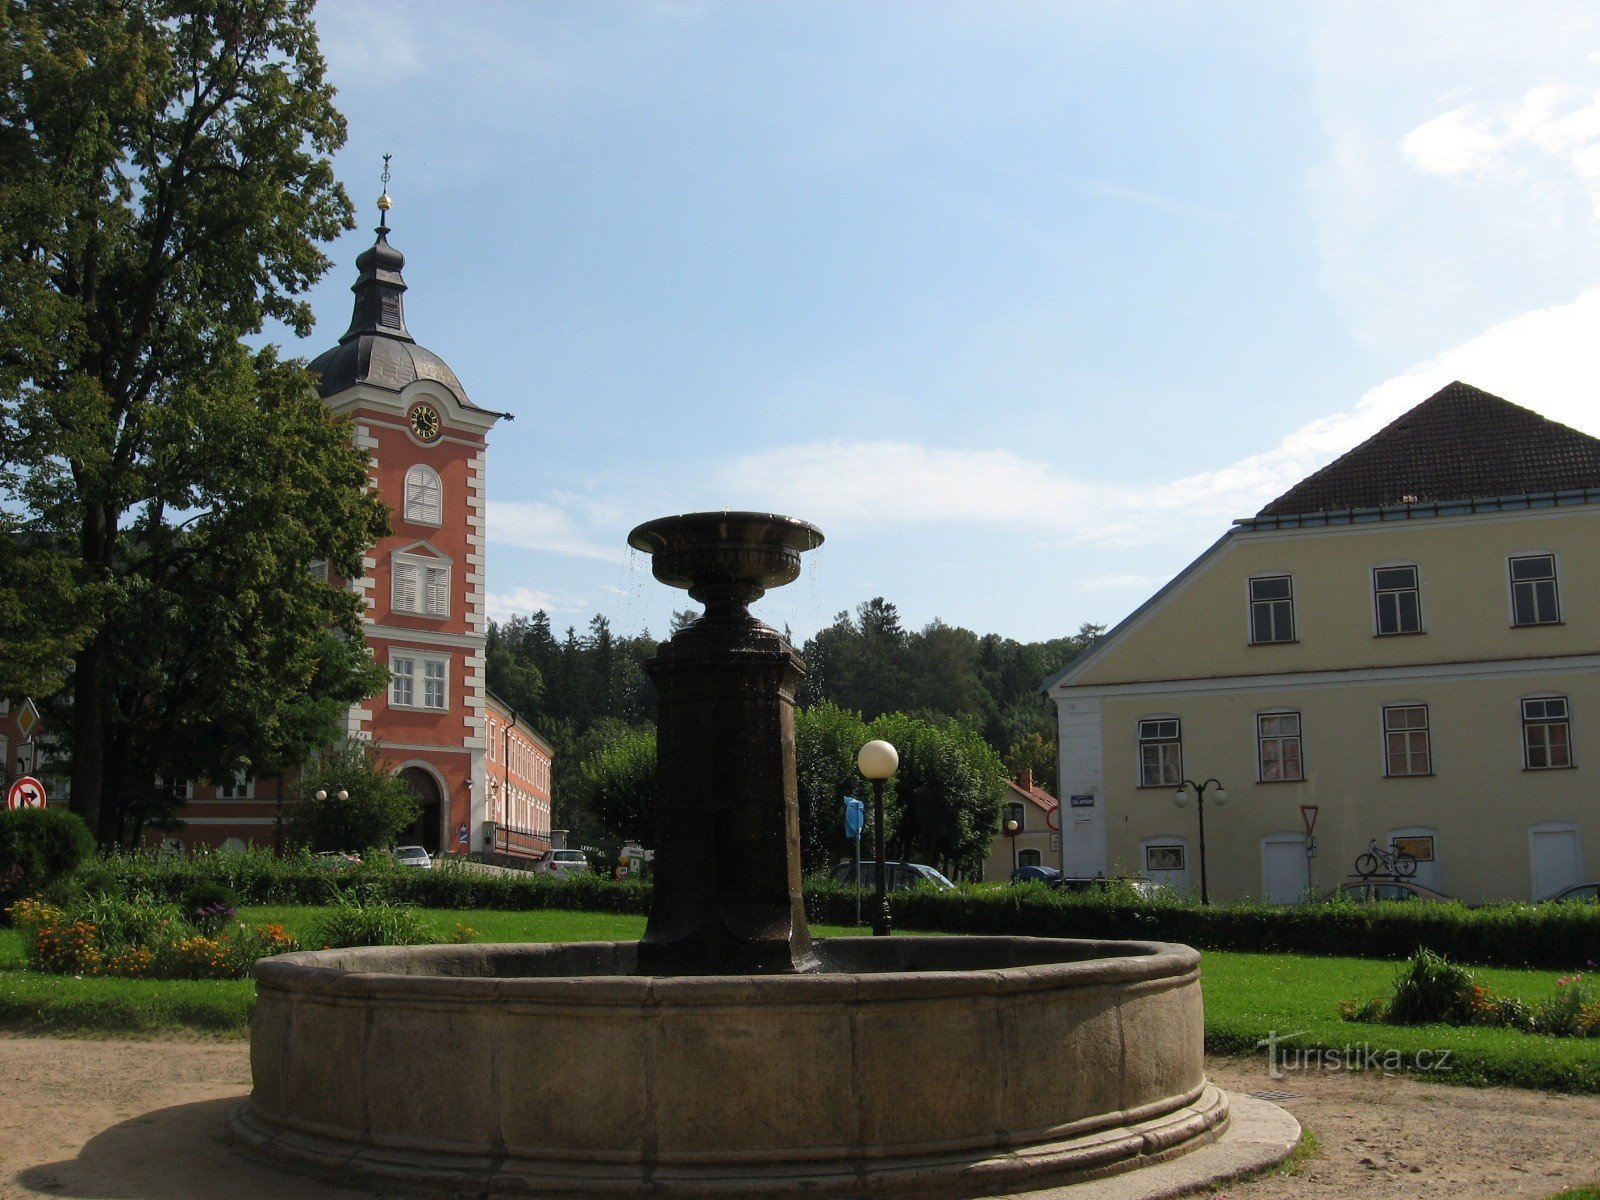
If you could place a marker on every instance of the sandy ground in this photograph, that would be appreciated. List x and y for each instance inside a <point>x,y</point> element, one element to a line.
<point>143,1120</point>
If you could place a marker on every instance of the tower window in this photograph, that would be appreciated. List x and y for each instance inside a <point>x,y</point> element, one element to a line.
<point>423,505</point>
<point>419,681</point>
<point>420,586</point>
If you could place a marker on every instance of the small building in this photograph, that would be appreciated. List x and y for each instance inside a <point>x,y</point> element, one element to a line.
<point>1404,648</point>
<point>1037,842</point>
<point>517,828</point>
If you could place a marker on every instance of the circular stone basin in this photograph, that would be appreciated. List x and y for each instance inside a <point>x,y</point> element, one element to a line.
<point>904,1066</point>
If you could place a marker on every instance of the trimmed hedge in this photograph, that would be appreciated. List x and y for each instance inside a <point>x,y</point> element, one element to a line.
<point>1555,936</point>
<point>37,846</point>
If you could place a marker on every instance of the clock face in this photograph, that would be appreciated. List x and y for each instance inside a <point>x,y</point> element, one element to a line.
<point>425,422</point>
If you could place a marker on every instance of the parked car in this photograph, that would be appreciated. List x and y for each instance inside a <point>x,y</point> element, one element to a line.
<point>1578,893</point>
<point>563,862</point>
<point>1144,889</point>
<point>899,876</point>
<point>413,856</point>
<point>337,860</point>
<point>1032,874</point>
<point>1377,891</point>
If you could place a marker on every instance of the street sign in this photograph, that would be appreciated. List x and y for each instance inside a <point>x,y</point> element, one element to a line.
<point>1308,814</point>
<point>26,792</point>
<point>27,719</point>
<point>1052,819</point>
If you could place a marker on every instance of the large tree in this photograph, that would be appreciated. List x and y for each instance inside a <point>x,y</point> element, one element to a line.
<point>165,185</point>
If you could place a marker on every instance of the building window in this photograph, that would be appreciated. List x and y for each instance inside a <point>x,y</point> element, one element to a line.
<point>1278,747</point>
<point>1030,858</point>
<point>418,681</point>
<point>1398,602</point>
<point>1533,590</point>
<point>240,787</point>
<point>423,505</point>
<point>1546,734</point>
<point>421,586</point>
<point>1014,812</point>
<point>1160,752</point>
<point>1271,610</point>
<point>1405,735</point>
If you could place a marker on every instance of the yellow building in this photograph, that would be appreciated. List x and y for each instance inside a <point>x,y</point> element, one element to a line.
<point>1405,646</point>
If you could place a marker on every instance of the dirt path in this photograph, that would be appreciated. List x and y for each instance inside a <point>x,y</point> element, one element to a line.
<point>143,1120</point>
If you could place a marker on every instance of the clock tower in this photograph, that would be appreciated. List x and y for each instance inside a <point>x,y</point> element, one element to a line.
<point>423,585</point>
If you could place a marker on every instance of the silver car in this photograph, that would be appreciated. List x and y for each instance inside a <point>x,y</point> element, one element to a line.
<point>413,856</point>
<point>564,862</point>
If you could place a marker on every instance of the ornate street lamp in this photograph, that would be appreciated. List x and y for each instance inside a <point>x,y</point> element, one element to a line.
<point>1181,798</point>
<point>1012,828</point>
<point>878,760</point>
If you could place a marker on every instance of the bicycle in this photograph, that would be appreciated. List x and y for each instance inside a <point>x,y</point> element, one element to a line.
<point>1376,859</point>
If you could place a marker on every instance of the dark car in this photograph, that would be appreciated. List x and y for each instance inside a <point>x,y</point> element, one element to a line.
<point>1578,893</point>
<point>899,876</point>
<point>1031,874</point>
<point>1378,891</point>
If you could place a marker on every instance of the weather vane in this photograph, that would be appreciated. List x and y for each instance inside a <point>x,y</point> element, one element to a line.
<point>384,203</point>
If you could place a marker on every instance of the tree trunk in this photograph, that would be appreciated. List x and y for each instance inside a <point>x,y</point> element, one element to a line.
<point>89,723</point>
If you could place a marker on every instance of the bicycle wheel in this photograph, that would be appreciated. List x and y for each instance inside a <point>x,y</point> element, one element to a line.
<point>1404,866</point>
<point>1367,866</point>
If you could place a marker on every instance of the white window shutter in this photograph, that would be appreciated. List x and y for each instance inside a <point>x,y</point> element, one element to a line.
<point>405,587</point>
<point>438,597</point>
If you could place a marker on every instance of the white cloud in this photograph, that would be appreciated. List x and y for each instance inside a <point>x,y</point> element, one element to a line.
<point>522,601</point>
<point>1517,142</point>
<point>1141,583</point>
<point>1547,360</point>
<point>536,525</point>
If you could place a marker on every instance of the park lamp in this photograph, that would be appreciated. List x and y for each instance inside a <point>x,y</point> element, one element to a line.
<point>1219,794</point>
<point>878,760</point>
<point>341,794</point>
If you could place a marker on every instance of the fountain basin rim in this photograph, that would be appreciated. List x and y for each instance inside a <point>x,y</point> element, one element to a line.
<point>343,973</point>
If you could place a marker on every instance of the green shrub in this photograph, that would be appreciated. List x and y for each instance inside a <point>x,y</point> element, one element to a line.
<point>38,846</point>
<point>376,807</point>
<point>366,921</point>
<point>1430,989</point>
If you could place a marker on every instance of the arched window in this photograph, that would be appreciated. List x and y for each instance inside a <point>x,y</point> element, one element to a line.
<point>423,490</point>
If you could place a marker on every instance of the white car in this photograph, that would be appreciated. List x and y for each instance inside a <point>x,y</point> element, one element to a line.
<point>563,862</point>
<point>413,856</point>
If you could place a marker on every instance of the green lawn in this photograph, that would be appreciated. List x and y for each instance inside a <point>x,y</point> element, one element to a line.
<point>1247,997</point>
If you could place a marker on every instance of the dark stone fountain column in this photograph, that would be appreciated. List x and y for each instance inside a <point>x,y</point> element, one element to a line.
<point>726,898</point>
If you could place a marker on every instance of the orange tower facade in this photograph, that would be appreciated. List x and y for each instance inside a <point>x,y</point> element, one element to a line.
<point>423,585</point>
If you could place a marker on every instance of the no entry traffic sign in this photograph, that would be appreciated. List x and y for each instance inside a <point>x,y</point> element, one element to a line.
<point>26,792</point>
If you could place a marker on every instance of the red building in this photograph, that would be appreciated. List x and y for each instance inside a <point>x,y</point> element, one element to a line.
<point>423,589</point>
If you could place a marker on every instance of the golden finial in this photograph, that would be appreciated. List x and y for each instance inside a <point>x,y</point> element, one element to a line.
<point>384,203</point>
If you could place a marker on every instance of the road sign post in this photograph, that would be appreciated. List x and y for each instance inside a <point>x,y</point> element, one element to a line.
<point>26,792</point>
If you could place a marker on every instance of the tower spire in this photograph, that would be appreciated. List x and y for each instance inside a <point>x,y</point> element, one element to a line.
<point>379,308</point>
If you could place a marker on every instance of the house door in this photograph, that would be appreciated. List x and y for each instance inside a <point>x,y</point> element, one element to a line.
<point>425,831</point>
<point>1284,873</point>
<point>1553,859</point>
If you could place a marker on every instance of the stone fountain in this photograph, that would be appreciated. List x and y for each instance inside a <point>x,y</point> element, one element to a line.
<point>726,1054</point>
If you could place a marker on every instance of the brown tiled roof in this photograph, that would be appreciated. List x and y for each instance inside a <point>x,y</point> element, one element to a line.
<point>1458,444</point>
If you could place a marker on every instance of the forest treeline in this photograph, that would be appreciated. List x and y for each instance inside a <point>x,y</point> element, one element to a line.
<point>582,690</point>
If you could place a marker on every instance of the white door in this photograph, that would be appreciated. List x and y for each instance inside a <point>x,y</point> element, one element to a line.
<point>1166,861</point>
<point>1284,873</point>
<point>1553,859</point>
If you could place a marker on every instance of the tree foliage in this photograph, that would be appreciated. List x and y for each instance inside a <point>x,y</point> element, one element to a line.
<point>377,808</point>
<point>164,186</point>
<point>618,784</point>
<point>947,792</point>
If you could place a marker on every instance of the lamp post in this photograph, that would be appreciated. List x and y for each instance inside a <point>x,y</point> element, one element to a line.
<point>1181,798</point>
<point>1011,832</point>
<point>878,760</point>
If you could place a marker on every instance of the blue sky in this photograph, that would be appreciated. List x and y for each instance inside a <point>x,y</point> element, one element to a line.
<point>1021,303</point>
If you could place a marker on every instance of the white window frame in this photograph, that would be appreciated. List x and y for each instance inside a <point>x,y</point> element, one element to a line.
<point>408,687</point>
<point>241,787</point>
<point>1379,592</point>
<point>1554,579</point>
<point>416,510</point>
<point>1545,721</point>
<point>1251,602</point>
<point>431,579</point>
<point>1281,739</point>
<point>1030,857</point>
<point>1426,730</point>
<point>1150,733</point>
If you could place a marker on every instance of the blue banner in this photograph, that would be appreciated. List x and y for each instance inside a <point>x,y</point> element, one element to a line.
<point>855,817</point>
